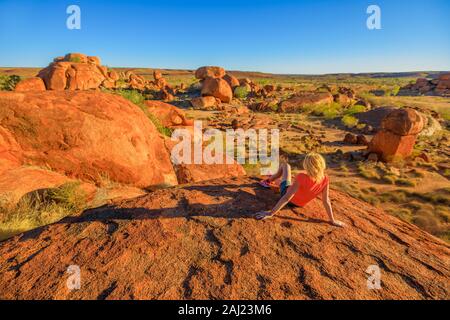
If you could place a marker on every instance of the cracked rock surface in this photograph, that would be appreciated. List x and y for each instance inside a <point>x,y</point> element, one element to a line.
<point>199,241</point>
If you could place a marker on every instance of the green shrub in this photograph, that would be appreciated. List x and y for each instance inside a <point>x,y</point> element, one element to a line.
<point>241,92</point>
<point>138,99</point>
<point>75,59</point>
<point>349,121</point>
<point>329,111</point>
<point>355,109</point>
<point>8,83</point>
<point>41,208</point>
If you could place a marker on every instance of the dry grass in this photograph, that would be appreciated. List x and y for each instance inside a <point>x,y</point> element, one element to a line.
<point>40,208</point>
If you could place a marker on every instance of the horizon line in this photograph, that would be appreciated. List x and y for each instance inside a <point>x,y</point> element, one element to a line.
<point>262,72</point>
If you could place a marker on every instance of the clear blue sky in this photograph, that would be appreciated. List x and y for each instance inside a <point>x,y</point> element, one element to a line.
<point>280,36</point>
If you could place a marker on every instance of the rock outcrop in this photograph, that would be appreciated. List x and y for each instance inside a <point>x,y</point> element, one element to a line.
<point>217,88</point>
<point>209,72</point>
<point>200,242</point>
<point>84,135</point>
<point>169,115</point>
<point>298,101</point>
<point>74,72</point>
<point>396,139</point>
<point>30,84</point>
<point>422,86</point>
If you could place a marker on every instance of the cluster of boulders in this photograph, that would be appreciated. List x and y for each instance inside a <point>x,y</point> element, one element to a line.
<point>218,86</point>
<point>76,71</point>
<point>422,86</point>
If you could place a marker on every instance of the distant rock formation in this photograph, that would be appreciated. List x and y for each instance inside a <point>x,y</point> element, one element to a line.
<point>439,86</point>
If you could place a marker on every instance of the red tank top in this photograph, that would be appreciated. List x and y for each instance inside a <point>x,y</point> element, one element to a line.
<point>308,189</point>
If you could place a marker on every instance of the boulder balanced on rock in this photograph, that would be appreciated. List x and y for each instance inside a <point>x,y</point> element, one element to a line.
<point>396,139</point>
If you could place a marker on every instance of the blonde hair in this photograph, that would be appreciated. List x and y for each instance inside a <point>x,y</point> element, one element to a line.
<point>315,166</point>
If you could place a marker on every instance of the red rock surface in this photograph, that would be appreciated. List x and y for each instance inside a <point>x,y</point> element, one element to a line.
<point>204,102</point>
<point>200,242</point>
<point>397,137</point>
<point>30,84</point>
<point>232,80</point>
<point>403,122</point>
<point>209,72</point>
<point>84,135</point>
<point>188,173</point>
<point>169,115</point>
<point>217,88</point>
<point>17,182</point>
<point>298,101</point>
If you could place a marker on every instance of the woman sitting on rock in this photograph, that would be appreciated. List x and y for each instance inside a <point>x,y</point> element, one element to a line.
<point>306,187</point>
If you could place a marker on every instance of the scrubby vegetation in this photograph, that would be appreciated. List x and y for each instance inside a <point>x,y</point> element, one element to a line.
<point>138,99</point>
<point>40,208</point>
<point>349,121</point>
<point>241,92</point>
<point>8,83</point>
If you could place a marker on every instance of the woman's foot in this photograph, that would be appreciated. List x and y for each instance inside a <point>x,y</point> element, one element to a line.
<point>263,215</point>
<point>338,223</point>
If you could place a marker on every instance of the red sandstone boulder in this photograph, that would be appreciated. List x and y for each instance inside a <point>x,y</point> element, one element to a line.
<point>189,173</point>
<point>204,102</point>
<point>113,75</point>
<point>397,136</point>
<point>200,242</point>
<point>84,77</point>
<point>297,102</point>
<point>157,75</point>
<point>84,135</point>
<point>209,72</point>
<point>403,122</point>
<point>30,84</point>
<point>232,80</point>
<point>77,71</point>
<point>217,88</point>
<point>169,115</point>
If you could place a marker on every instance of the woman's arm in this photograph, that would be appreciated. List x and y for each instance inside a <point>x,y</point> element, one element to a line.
<point>281,203</point>
<point>276,175</point>
<point>327,204</point>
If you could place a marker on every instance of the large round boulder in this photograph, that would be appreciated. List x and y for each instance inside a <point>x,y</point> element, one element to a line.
<point>85,135</point>
<point>30,84</point>
<point>403,122</point>
<point>217,88</point>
